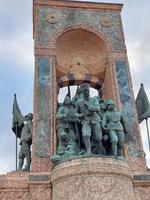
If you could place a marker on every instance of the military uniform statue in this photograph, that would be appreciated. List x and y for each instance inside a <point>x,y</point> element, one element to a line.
<point>114,124</point>
<point>87,109</point>
<point>66,120</point>
<point>25,142</point>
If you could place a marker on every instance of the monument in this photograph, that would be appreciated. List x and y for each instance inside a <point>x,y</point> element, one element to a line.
<point>87,147</point>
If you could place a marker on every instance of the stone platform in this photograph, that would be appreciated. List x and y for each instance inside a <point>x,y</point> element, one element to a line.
<point>92,179</point>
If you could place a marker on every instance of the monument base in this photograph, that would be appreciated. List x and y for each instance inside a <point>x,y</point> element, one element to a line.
<point>92,179</point>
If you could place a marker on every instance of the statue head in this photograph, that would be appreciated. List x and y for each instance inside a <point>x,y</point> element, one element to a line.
<point>85,89</point>
<point>29,116</point>
<point>110,104</point>
<point>67,100</point>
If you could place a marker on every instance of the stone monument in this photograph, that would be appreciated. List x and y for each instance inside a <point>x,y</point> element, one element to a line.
<point>78,43</point>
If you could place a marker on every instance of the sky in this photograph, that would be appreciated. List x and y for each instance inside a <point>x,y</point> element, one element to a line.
<point>17,63</point>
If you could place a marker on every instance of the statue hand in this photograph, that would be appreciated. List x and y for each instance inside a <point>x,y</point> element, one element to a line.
<point>79,115</point>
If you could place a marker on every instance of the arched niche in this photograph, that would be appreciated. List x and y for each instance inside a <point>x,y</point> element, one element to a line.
<point>80,54</point>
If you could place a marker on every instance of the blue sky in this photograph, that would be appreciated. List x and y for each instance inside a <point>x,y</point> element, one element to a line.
<point>17,63</point>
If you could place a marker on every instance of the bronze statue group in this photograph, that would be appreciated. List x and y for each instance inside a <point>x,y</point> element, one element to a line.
<point>89,126</point>
<point>85,126</point>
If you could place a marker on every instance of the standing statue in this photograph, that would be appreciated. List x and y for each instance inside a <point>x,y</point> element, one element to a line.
<point>87,109</point>
<point>105,138</point>
<point>22,127</point>
<point>66,120</point>
<point>114,124</point>
<point>25,142</point>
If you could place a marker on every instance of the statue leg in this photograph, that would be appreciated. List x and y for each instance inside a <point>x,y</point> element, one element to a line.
<point>86,133</point>
<point>106,144</point>
<point>87,143</point>
<point>98,136</point>
<point>62,147</point>
<point>121,141</point>
<point>114,140</point>
<point>21,159</point>
<point>27,154</point>
<point>28,160</point>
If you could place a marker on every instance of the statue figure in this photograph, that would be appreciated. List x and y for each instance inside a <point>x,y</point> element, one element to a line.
<point>114,124</point>
<point>105,138</point>
<point>77,96</point>
<point>87,109</point>
<point>25,142</point>
<point>66,120</point>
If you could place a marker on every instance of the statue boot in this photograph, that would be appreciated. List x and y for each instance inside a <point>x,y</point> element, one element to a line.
<point>100,148</point>
<point>120,151</point>
<point>114,149</point>
<point>87,144</point>
<point>27,167</point>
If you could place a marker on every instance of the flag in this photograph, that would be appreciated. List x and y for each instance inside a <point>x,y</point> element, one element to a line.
<point>142,105</point>
<point>18,118</point>
<point>69,92</point>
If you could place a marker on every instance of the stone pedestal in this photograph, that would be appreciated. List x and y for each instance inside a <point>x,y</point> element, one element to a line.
<point>92,179</point>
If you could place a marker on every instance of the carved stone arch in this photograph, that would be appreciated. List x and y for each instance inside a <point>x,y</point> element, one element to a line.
<point>94,70</point>
<point>91,29</point>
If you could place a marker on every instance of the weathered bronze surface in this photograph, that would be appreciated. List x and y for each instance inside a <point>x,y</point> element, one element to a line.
<point>88,126</point>
<point>25,142</point>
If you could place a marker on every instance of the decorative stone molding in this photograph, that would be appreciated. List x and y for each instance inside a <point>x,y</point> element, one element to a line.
<point>84,27</point>
<point>106,21</point>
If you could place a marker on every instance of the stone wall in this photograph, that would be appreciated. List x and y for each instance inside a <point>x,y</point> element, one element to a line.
<point>25,186</point>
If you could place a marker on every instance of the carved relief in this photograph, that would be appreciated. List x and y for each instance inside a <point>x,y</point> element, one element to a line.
<point>53,17</point>
<point>106,21</point>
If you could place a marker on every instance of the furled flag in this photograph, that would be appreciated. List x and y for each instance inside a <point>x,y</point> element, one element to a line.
<point>142,105</point>
<point>69,92</point>
<point>18,118</point>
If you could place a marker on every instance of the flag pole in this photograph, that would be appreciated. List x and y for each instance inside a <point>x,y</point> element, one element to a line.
<point>16,147</point>
<point>148,133</point>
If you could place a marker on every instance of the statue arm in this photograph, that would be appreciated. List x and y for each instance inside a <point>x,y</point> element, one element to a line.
<point>123,122</point>
<point>60,114</point>
<point>31,130</point>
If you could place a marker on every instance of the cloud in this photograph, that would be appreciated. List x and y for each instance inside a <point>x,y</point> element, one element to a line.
<point>15,17</point>
<point>18,51</point>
